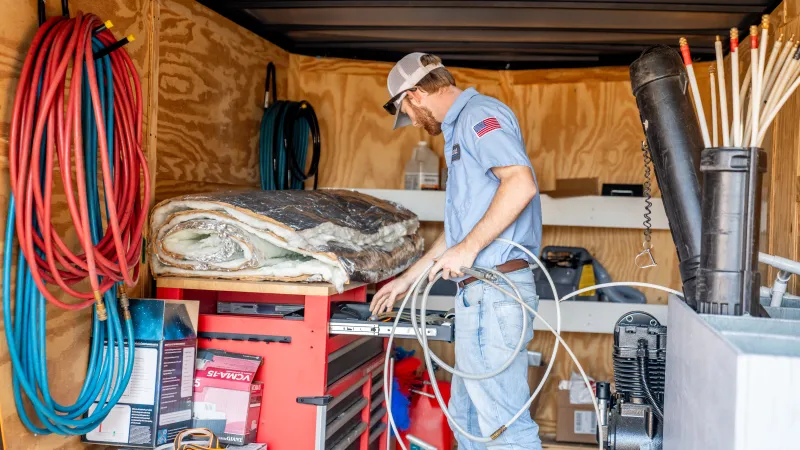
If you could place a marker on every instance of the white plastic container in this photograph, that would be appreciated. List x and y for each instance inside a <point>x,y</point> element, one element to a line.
<point>422,170</point>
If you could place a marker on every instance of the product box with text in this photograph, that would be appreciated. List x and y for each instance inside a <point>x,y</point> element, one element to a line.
<point>157,404</point>
<point>227,400</point>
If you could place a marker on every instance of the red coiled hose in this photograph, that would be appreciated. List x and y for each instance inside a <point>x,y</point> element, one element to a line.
<point>55,59</point>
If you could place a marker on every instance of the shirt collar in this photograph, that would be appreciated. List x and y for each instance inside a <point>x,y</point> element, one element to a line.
<point>458,105</point>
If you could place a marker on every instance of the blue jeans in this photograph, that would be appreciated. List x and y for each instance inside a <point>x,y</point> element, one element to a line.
<point>488,327</point>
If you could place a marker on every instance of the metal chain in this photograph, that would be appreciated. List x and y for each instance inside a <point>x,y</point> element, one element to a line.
<point>645,258</point>
<point>648,197</point>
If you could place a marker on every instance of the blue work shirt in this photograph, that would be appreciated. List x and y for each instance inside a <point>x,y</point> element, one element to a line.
<point>481,133</point>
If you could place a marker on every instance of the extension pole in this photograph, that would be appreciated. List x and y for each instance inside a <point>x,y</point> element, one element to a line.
<point>743,103</point>
<point>737,117</point>
<point>755,99</point>
<point>698,103</point>
<point>762,52</point>
<point>723,97</point>
<point>786,76</point>
<point>773,56</point>
<point>714,127</point>
<point>784,59</point>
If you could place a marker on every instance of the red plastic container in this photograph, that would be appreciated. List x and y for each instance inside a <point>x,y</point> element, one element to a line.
<point>428,422</point>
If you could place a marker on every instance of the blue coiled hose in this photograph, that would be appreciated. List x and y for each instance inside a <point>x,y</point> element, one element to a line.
<point>26,334</point>
<point>283,141</point>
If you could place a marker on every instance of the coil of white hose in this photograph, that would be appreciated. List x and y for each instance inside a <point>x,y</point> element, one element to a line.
<point>485,275</point>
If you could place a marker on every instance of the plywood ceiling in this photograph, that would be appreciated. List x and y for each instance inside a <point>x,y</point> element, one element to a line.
<point>492,34</point>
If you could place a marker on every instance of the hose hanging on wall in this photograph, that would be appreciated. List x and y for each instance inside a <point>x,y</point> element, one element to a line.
<point>99,115</point>
<point>283,143</point>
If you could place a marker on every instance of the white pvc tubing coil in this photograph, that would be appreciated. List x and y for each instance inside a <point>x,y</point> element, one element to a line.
<point>419,330</point>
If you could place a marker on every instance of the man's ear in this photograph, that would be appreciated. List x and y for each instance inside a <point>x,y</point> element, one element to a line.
<point>415,96</point>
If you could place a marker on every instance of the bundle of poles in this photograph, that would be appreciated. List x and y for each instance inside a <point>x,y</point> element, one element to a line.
<point>766,87</point>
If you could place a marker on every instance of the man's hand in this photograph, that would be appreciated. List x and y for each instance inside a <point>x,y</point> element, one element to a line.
<point>384,299</point>
<point>451,262</point>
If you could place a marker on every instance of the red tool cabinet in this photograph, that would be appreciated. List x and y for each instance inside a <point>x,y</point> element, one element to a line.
<point>320,391</point>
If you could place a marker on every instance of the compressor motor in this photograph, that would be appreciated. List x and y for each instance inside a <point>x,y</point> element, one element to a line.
<point>633,418</point>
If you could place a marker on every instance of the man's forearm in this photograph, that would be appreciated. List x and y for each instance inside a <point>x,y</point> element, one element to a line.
<point>512,196</point>
<point>433,252</point>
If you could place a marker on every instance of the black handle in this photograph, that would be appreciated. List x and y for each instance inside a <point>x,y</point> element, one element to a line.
<point>246,337</point>
<point>270,88</point>
<point>322,400</point>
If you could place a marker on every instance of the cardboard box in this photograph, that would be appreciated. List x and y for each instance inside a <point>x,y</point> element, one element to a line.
<point>535,374</point>
<point>575,423</point>
<point>574,187</point>
<point>226,399</point>
<point>157,404</point>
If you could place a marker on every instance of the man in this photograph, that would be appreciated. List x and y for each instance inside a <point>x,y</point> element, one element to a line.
<point>491,193</point>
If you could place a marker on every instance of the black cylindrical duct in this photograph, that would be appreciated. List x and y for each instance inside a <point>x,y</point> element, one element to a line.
<point>729,263</point>
<point>661,87</point>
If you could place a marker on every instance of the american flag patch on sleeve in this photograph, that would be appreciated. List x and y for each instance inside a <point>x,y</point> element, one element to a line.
<point>486,126</point>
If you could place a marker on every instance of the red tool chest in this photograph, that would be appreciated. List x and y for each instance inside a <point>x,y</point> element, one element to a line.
<point>320,391</point>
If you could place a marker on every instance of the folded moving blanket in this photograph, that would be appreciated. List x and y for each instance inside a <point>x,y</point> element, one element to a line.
<point>335,236</point>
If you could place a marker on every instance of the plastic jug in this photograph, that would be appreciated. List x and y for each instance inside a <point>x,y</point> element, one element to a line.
<point>422,170</point>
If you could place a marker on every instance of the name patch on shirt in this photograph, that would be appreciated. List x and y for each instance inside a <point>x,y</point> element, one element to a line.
<point>486,126</point>
<point>456,153</point>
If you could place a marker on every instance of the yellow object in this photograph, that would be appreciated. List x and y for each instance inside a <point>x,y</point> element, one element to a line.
<point>131,38</point>
<point>109,24</point>
<point>587,279</point>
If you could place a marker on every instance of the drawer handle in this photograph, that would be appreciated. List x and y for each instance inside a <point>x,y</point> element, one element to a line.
<point>265,338</point>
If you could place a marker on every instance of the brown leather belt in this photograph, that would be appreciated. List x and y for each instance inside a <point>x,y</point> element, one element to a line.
<point>510,266</point>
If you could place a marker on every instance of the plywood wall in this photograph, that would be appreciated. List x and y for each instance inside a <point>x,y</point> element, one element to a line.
<point>576,123</point>
<point>203,80</point>
<point>783,173</point>
<point>210,100</point>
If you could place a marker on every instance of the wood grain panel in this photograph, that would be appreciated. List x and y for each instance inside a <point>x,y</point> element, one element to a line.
<point>783,171</point>
<point>211,91</point>
<point>68,332</point>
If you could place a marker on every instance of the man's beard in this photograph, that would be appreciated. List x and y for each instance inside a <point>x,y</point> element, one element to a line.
<point>425,118</point>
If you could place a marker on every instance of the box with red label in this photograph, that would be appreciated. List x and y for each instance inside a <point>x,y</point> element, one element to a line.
<point>226,399</point>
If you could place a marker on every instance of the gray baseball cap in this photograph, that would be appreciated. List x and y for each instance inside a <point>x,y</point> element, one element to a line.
<point>404,76</point>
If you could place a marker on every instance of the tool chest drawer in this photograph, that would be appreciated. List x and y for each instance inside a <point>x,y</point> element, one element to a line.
<point>356,405</point>
<point>353,319</point>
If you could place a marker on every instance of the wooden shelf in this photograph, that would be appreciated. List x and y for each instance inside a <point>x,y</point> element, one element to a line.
<point>260,287</point>
<point>590,211</point>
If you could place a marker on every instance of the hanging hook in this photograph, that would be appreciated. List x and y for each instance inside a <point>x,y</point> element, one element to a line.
<point>270,89</point>
<point>42,14</point>
<point>645,258</point>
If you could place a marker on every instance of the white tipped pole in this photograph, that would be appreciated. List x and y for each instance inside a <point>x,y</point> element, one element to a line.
<point>785,57</point>
<point>737,116</point>
<point>775,111</point>
<point>698,104</point>
<point>714,127</point>
<point>762,50</point>
<point>743,101</point>
<point>784,79</point>
<point>773,57</point>
<point>723,97</point>
<point>755,99</point>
